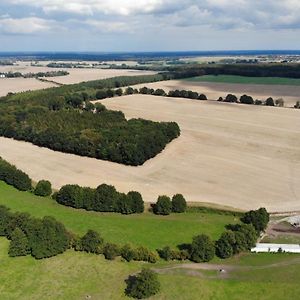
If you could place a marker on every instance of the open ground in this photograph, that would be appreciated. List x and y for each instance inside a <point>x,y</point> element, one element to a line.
<point>214,90</point>
<point>229,154</point>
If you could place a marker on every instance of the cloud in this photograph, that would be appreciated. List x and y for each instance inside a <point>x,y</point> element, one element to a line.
<point>26,25</point>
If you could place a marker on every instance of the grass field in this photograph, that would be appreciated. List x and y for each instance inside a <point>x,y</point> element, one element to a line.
<point>246,80</point>
<point>75,275</point>
<point>145,229</point>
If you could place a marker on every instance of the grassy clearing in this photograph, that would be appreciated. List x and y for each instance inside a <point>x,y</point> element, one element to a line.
<point>246,80</point>
<point>145,229</point>
<point>74,275</point>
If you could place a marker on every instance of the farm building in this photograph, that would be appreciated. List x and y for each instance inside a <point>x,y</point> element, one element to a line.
<point>266,247</point>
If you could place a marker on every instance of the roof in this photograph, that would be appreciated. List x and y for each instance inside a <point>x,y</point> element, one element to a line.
<point>267,247</point>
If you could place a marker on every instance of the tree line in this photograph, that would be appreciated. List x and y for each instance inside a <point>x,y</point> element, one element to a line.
<point>34,75</point>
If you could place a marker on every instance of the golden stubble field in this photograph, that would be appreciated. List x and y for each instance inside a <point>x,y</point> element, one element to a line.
<point>290,94</point>
<point>228,154</point>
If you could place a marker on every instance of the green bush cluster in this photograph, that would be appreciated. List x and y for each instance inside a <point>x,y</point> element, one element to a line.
<point>13,176</point>
<point>164,205</point>
<point>43,188</point>
<point>104,198</point>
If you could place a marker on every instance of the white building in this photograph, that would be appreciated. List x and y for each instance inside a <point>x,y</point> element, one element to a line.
<point>2,76</point>
<point>266,247</point>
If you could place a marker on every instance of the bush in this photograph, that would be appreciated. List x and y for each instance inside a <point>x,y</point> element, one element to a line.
<point>19,245</point>
<point>258,218</point>
<point>43,188</point>
<point>163,206</point>
<point>258,102</point>
<point>231,98</point>
<point>246,99</point>
<point>119,92</point>
<point>144,254</point>
<point>91,242</point>
<point>202,249</point>
<point>136,201</point>
<point>178,204</point>
<point>225,245</point>
<point>279,102</point>
<point>270,102</point>
<point>70,195</point>
<point>111,251</point>
<point>297,105</point>
<point>13,176</point>
<point>202,97</point>
<point>143,285</point>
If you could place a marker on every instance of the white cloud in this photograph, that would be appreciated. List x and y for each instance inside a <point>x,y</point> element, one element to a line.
<point>25,25</point>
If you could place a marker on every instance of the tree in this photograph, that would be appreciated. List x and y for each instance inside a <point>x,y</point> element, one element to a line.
<point>127,252</point>
<point>270,102</point>
<point>231,98</point>
<point>19,245</point>
<point>159,92</point>
<point>225,245</point>
<point>163,206</point>
<point>202,249</point>
<point>258,102</point>
<point>43,188</point>
<point>91,242</point>
<point>119,92</point>
<point>70,195</point>
<point>245,99</point>
<point>129,91</point>
<point>100,107</point>
<point>297,105</point>
<point>143,285</point>
<point>178,204</point>
<point>101,94</point>
<point>258,218</point>
<point>136,202</point>
<point>165,253</point>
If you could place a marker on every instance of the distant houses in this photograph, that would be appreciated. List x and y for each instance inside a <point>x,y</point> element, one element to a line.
<point>276,248</point>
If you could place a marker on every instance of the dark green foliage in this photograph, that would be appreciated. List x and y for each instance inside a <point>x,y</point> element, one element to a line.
<point>91,242</point>
<point>137,202</point>
<point>159,92</point>
<point>202,249</point>
<point>119,92</point>
<point>210,210</point>
<point>62,119</point>
<point>270,102</point>
<point>163,206</point>
<point>43,188</point>
<point>258,218</point>
<point>143,285</point>
<point>258,102</point>
<point>202,97</point>
<point>19,245</point>
<point>178,204</point>
<point>246,99</point>
<point>127,252</point>
<point>129,91</point>
<point>111,251</point>
<point>144,254</point>
<point>105,199</point>
<point>47,237</point>
<point>225,245</point>
<point>5,218</point>
<point>13,176</point>
<point>231,98</point>
<point>167,254</point>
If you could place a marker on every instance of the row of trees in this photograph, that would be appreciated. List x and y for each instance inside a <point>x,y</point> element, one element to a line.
<point>34,75</point>
<point>245,99</point>
<point>104,198</point>
<point>237,238</point>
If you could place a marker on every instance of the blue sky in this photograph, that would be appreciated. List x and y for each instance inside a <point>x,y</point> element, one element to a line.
<point>148,25</point>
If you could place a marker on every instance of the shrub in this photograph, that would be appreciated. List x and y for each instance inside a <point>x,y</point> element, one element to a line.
<point>297,105</point>
<point>270,102</point>
<point>129,91</point>
<point>246,99</point>
<point>165,253</point>
<point>258,218</point>
<point>231,98</point>
<point>144,254</point>
<point>178,204</point>
<point>225,245</point>
<point>43,188</point>
<point>119,92</point>
<point>136,201</point>
<point>5,218</point>
<point>159,92</point>
<point>101,94</point>
<point>70,195</point>
<point>220,99</point>
<point>279,102</point>
<point>143,285</point>
<point>202,97</point>
<point>19,245</point>
<point>163,206</point>
<point>91,242</point>
<point>202,249</point>
<point>258,102</point>
<point>111,251</point>
<point>127,252</point>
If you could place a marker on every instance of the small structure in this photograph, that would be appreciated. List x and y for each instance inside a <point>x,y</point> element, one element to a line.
<point>2,75</point>
<point>276,248</point>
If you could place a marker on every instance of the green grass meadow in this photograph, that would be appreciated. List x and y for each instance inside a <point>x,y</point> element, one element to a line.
<point>246,80</point>
<point>145,229</point>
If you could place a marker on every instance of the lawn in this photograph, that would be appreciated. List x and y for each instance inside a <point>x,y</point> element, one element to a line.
<point>246,80</point>
<point>74,275</point>
<point>144,229</point>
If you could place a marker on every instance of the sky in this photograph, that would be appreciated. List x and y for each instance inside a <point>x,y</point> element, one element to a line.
<point>149,25</point>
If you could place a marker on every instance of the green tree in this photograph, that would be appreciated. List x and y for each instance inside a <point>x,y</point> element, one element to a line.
<point>225,245</point>
<point>43,188</point>
<point>137,202</point>
<point>111,251</point>
<point>143,285</point>
<point>202,249</point>
<point>127,252</point>
<point>270,102</point>
<point>19,245</point>
<point>258,218</point>
<point>91,242</point>
<point>119,92</point>
<point>163,206</point>
<point>245,99</point>
<point>178,204</point>
<point>70,195</point>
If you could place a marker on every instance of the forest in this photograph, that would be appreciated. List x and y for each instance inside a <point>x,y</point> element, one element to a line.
<point>63,119</point>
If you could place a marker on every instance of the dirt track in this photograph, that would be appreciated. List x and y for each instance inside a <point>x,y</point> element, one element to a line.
<point>229,154</point>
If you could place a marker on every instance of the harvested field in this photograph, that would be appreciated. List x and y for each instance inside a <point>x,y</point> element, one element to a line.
<point>16,85</point>
<point>214,90</point>
<point>229,154</point>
